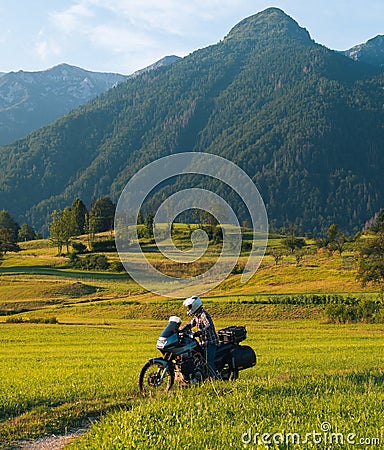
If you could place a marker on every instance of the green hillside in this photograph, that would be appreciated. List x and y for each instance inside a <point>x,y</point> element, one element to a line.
<point>306,123</point>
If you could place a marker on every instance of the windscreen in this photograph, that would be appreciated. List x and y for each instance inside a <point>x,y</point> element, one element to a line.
<point>170,329</point>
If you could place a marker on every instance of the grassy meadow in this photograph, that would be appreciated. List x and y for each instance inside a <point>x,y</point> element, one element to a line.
<point>57,376</point>
<point>310,374</point>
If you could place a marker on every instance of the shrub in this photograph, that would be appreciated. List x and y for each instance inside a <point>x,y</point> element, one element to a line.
<point>116,266</point>
<point>336,313</point>
<point>45,320</point>
<point>217,235</point>
<point>108,245</point>
<point>95,262</point>
<point>365,310</point>
<point>14,319</point>
<point>89,262</point>
<point>74,261</point>
<point>368,310</point>
<point>79,247</point>
<point>246,246</point>
<point>352,314</point>
<point>75,290</point>
<point>142,233</point>
<point>379,316</point>
<point>238,269</point>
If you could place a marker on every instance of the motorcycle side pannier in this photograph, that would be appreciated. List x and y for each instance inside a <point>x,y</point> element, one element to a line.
<point>243,357</point>
<point>232,335</point>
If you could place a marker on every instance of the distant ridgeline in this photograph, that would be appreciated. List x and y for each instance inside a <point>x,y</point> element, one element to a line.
<point>305,122</point>
<point>30,100</point>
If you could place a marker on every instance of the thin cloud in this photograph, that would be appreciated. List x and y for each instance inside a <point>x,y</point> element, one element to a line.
<point>45,48</point>
<point>170,16</point>
<point>73,18</point>
<point>125,35</point>
<point>150,20</point>
<point>120,40</point>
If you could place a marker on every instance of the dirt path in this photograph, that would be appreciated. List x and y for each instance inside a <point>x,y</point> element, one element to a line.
<point>49,442</point>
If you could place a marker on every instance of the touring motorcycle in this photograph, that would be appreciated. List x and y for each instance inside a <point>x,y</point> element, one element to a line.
<point>183,358</point>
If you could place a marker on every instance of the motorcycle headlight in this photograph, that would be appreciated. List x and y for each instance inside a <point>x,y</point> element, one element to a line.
<point>161,343</point>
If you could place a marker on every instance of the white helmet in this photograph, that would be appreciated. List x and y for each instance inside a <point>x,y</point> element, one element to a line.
<point>192,304</point>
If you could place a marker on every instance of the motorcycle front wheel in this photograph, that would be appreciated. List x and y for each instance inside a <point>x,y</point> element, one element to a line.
<point>154,377</point>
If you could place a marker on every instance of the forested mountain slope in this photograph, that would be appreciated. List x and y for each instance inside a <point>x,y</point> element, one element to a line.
<point>305,122</point>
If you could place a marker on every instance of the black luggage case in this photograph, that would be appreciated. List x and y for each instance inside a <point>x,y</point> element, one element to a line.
<point>232,335</point>
<point>243,357</point>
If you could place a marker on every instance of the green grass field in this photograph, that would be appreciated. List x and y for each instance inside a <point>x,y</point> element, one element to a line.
<point>53,377</point>
<point>309,373</point>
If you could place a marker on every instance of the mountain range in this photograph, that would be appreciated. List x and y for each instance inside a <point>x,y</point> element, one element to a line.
<point>305,122</point>
<point>30,100</point>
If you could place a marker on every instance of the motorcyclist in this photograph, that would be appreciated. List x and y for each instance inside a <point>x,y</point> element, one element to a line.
<point>206,330</point>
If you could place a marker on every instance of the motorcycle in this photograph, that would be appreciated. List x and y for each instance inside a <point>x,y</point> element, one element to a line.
<point>183,358</point>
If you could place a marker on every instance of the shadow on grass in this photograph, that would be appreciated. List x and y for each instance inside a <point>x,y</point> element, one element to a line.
<point>367,377</point>
<point>47,270</point>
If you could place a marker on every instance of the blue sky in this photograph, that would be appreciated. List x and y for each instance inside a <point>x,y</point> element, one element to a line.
<point>126,35</point>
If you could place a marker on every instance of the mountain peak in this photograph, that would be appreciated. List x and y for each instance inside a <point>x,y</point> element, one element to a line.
<point>371,52</point>
<point>272,22</point>
<point>29,100</point>
<point>167,60</point>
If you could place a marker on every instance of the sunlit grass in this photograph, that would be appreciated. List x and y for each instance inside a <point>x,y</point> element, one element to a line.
<point>54,376</point>
<point>51,376</point>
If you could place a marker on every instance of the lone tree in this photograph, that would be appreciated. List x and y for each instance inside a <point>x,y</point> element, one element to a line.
<point>371,262</point>
<point>9,230</point>
<point>101,215</point>
<point>63,227</point>
<point>7,241</point>
<point>26,233</point>
<point>293,243</point>
<point>6,221</point>
<point>334,241</point>
<point>277,254</point>
<point>336,238</point>
<point>55,230</point>
<point>148,225</point>
<point>80,214</point>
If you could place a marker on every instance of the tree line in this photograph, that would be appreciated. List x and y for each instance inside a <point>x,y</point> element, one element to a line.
<point>76,220</point>
<point>293,245</point>
<point>65,224</point>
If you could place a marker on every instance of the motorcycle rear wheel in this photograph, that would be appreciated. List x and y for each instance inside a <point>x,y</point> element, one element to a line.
<point>154,377</point>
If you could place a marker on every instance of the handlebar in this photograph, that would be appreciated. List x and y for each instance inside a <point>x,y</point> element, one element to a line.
<point>189,333</point>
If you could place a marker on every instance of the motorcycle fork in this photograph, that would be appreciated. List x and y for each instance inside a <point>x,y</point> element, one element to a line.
<point>163,374</point>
